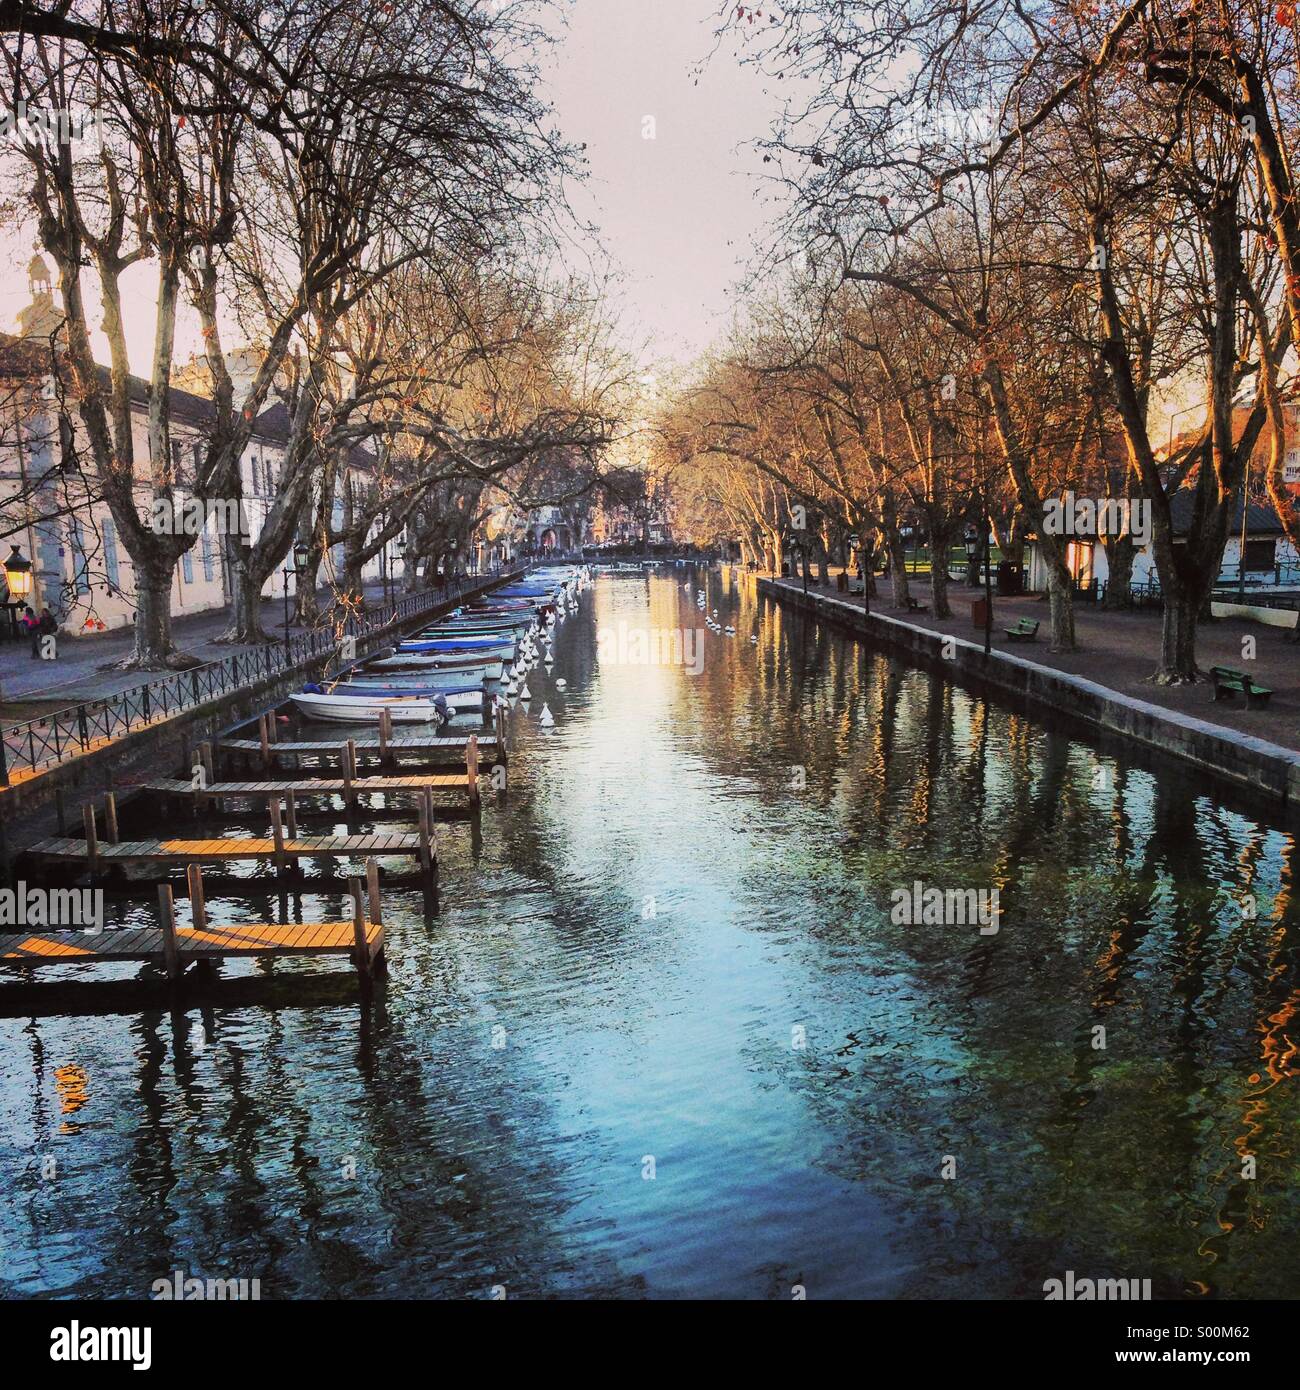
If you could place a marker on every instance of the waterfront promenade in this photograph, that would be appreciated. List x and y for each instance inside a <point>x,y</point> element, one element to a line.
<point>88,668</point>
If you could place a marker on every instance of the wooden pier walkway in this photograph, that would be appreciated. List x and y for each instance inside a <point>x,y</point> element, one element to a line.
<point>319,786</point>
<point>175,947</point>
<point>489,749</point>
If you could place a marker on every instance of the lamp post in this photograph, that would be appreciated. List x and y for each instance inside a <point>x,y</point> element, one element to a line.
<point>301,554</point>
<point>972,540</point>
<point>18,576</point>
<point>988,580</point>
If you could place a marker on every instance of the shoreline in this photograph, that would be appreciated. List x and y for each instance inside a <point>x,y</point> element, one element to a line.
<point>1250,764</point>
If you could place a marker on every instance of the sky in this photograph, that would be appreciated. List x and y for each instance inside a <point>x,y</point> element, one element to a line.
<point>676,213</point>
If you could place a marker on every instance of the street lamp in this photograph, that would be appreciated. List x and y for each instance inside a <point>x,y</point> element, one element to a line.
<point>18,575</point>
<point>301,555</point>
<point>972,539</point>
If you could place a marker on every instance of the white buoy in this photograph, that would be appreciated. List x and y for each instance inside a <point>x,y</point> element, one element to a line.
<point>524,694</point>
<point>731,631</point>
<point>754,640</point>
<point>560,683</point>
<point>546,718</point>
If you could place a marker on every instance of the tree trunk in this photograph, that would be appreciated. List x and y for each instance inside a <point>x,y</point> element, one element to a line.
<point>897,552</point>
<point>245,608</point>
<point>153,619</point>
<point>1120,554</point>
<point>939,605</point>
<point>1060,602</point>
<point>307,608</point>
<point>1178,639</point>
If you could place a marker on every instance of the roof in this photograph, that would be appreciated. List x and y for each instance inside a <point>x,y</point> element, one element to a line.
<point>28,357</point>
<point>1261,519</point>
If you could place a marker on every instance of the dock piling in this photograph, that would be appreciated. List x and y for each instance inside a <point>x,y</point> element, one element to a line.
<point>110,818</point>
<point>92,836</point>
<point>372,891</point>
<point>277,832</point>
<point>471,771</point>
<point>167,915</point>
<point>385,735</point>
<point>359,928</point>
<point>264,738</point>
<point>198,907</point>
<point>350,753</point>
<point>425,828</point>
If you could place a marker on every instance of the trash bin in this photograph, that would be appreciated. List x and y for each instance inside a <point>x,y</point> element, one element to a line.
<point>1011,578</point>
<point>841,583</point>
<point>979,610</point>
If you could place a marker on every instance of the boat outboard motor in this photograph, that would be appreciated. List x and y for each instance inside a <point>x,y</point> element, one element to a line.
<point>444,712</point>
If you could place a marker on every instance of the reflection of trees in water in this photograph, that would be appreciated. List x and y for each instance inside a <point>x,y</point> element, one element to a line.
<point>1116,887</point>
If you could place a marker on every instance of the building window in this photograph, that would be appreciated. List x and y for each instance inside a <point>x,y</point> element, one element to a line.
<point>1259,555</point>
<point>110,554</point>
<point>1291,466</point>
<point>187,568</point>
<point>206,543</point>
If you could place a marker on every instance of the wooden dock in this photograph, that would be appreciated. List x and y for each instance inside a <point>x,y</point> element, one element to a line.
<point>473,748</point>
<point>175,948</point>
<point>455,782</point>
<point>489,749</point>
<point>283,850</point>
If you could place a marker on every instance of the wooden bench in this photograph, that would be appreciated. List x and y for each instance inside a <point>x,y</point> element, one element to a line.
<point>855,585</point>
<point>1228,682</point>
<point>914,607</point>
<point>1025,630</point>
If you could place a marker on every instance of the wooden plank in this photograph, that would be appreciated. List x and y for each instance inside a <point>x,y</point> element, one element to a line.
<point>229,848</point>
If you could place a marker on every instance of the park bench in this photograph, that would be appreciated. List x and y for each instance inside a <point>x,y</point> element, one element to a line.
<point>1025,630</point>
<point>914,607</point>
<point>1228,681</point>
<point>855,585</point>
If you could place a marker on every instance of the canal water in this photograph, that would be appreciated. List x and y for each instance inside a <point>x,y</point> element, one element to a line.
<point>664,1038</point>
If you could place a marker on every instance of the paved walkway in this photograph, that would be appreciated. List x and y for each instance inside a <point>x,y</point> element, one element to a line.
<point>1120,650</point>
<point>86,667</point>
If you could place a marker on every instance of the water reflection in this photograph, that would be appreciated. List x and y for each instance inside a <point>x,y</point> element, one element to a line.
<point>689,877</point>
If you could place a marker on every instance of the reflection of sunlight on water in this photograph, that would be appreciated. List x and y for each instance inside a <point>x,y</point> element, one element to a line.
<point>72,1083</point>
<point>658,907</point>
